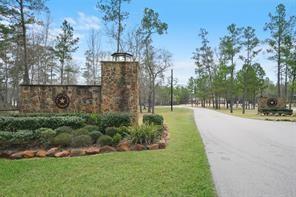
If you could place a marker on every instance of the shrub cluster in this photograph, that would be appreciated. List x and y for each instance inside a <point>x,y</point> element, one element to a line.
<point>95,135</point>
<point>21,139</point>
<point>123,131</point>
<point>81,131</point>
<point>63,136</point>
<point>33,123</point>
<point>105,140</point>
<point>62,139</point>
<point>145,134</point>
<point>116,120</point>
<point>46,136</point>
<point>93,119</point>
<point>26,131</point>
<point>116,139</point>
<point>81,140</point>
<point>64,129</point>
<point>91,128</point>
<point>153,119</point>
<point>111,131</point>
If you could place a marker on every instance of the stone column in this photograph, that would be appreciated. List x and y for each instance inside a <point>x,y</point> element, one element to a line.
<point>120,87</point>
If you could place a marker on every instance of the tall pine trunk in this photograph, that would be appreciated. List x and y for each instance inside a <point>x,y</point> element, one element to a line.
<point>244,101</point>
<point>279,68</point>
<point>286,82</point>
<point>150,99</point>
<point>140,101</point>
<point>62,73</point>
<point>24,38</point>
<point>231,86</point>
<point>153,96</point>
<point>292,92</point>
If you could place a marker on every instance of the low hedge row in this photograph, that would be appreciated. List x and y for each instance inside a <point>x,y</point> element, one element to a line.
<point>41,114</point>
<point>33,121</point>
<point>153,119</point>
<point>23,123</point>
<point>112,119</point>
<point>20,139</point>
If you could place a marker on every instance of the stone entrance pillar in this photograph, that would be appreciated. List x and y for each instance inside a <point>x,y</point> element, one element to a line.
<point>120,87</point>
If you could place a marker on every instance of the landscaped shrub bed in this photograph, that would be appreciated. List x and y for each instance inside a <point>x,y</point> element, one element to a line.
<point>58,135</point>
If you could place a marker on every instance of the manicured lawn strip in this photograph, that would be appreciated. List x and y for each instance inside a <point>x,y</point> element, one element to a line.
<point>253,114</point>
<point>180,170</point>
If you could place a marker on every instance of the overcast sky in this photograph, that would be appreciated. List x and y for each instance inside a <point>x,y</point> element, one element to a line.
<point>184,18</point>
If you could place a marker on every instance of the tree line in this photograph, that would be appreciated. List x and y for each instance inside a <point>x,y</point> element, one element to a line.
<point>217,79</point>
<point>30,55</point>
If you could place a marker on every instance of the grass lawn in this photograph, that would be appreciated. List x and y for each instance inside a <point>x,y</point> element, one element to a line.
<point>254,115</point>
<point>180,170</point>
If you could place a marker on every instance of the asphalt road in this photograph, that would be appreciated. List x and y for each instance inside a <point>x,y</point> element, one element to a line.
<point>249,158</point>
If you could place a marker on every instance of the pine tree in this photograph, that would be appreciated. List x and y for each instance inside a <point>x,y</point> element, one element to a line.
<point>65,46</point>
<point>151,24</point>
<point>113,13</point>
<point>279,27</point>
<point>230,47</point>
<point>21,14</point>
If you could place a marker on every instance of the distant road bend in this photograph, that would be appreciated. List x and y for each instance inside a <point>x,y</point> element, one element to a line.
<point>249,158</point>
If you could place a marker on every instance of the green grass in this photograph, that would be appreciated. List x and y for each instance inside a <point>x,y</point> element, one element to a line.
<point>180,170</point>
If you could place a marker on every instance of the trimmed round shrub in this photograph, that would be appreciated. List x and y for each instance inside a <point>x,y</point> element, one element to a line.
<point>46,135</point>
<point>153,119</point>
<point>95,135</point>
<point>81,140</point>
<point>81,131</point>
<point>111,131</point>
<point>105,140</point>
<point>91,128</point>
<point>116,139</point>
<point>62,139</point>
<point>64,129</point>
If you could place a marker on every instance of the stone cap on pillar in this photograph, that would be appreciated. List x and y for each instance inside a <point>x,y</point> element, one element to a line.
<point>122,56</point>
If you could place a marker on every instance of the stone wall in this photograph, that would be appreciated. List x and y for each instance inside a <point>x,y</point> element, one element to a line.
<point>43,98</point>
<point>120,88</point>
<point>263,103</point>
<point>119,92</point>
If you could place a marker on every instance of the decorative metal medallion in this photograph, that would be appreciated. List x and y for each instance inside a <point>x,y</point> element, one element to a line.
<point>272,102</point>
<point>62,101</point>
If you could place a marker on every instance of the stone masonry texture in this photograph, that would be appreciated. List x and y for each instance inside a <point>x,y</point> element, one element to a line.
<point>120,88</point>
<point>119,92</point>
<point>41,98</point>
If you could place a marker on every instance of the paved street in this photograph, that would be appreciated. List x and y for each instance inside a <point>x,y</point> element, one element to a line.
<point>249,158</point>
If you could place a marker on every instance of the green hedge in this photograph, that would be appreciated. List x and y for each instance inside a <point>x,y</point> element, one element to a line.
<point>33,123</point>
<point>93,119</point>
<point>115,120</point>
<point>153,119</point>
<point>42,114</point>
<point>18,139</point>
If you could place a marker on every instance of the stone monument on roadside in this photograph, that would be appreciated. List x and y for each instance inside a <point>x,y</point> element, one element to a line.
<point>118,92</point>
